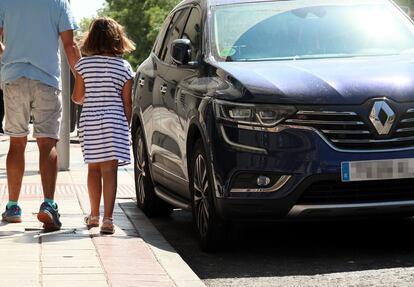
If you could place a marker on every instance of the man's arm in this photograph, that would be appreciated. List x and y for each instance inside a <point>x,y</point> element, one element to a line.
<point>1,42</point>
<point>72,51</point>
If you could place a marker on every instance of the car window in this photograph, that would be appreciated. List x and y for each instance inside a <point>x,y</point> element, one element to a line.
<point>192,32</point>
<point>162,40</point>
<point>161,36</point>
<point>175,31</point>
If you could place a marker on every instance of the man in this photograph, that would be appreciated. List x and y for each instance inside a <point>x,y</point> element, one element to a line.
<point>30,78</point>
<point>1,112</point>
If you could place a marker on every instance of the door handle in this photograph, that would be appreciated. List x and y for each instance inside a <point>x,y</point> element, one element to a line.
<point>141,82</point>
<point>163,89</point>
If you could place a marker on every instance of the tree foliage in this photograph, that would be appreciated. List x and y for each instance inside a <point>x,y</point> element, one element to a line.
<point>84,24</point>
<point>142,20</point>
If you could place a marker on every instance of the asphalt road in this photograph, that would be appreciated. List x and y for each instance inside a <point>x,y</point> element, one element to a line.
<point>352,253</point>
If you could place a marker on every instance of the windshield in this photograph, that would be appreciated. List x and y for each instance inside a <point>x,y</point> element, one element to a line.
<point>303,29</point>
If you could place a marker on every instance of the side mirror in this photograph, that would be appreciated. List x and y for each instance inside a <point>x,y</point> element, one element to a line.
<point>181,51</point>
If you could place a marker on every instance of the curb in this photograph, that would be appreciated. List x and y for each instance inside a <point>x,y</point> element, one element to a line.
<point>167,256</point>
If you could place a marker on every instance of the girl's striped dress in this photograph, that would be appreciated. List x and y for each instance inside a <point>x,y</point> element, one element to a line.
<point>103,127</point>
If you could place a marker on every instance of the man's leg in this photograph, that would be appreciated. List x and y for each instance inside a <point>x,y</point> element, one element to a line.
<point>48,165</point>
<point>15,171</point>
<point>1,112</point>
<point>17,107</point>
<point>15,166</point>
<point>47,112</point>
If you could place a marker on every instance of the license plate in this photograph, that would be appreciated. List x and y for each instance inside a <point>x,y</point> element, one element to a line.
<point>377,169</point>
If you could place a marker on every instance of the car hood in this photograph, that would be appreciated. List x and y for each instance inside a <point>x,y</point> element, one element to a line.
<point>322,81</point>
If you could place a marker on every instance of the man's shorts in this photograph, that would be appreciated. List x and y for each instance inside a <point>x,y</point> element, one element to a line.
<point>24,97</point>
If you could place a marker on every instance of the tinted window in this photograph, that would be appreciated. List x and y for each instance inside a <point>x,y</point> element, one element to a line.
<point>174,32</point>
<point>161,36</point>
<point>192,32</point>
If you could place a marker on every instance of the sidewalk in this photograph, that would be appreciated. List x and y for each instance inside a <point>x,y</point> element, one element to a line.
<point>136,255</point>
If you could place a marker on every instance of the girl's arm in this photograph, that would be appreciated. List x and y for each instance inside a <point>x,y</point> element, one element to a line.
<point>78,94</point>
<point>127,99</point>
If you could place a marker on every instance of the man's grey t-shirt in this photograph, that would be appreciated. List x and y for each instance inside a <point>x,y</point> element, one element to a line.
<point>31,31</point>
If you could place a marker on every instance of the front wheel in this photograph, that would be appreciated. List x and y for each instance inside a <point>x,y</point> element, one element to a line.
<point>147,200</point>
<point>211,229</point>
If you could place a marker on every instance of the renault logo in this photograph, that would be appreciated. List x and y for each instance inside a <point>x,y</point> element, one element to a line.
<point>382,117</point>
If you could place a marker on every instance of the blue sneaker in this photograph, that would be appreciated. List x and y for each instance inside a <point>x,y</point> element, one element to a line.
<point>49,216</point>
<point>12,214</point>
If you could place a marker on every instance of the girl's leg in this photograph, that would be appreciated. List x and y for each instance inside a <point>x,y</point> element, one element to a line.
<point>109,171</point>
<point>94,187</point>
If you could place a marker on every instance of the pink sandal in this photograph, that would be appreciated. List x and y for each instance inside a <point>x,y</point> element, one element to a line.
<point>107,226</point>
<point>92,221</point>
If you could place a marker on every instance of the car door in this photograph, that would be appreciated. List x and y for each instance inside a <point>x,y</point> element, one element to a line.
<point>144,87</point>
<point>163,116</point>
<point>172,123</point>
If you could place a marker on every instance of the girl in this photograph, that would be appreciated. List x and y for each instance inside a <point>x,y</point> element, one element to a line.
<point>104,86</point>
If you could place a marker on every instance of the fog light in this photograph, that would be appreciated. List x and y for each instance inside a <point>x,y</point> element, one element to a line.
<point>250,182</point>
<point>263,181</point>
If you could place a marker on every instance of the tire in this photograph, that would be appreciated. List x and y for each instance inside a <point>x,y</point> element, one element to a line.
<point>147,200</point>
<point>212,231</point>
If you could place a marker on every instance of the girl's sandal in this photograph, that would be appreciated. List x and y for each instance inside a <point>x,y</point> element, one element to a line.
<point>92,221</point>
<point>107,226</point>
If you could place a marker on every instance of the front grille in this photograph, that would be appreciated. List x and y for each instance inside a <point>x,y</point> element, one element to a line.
<point>337,192</point>
<point>348,130</point>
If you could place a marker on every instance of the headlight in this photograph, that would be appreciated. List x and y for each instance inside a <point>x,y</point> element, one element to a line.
<point>249,114</point>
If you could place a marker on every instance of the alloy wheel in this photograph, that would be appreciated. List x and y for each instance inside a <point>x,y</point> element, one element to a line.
<point>201,186</point>
<point>140,171</point>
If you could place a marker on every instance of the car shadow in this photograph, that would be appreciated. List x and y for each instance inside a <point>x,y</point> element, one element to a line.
<point>295,248</point>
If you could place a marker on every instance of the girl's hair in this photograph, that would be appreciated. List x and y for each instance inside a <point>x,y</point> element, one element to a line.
<point>106,36</point>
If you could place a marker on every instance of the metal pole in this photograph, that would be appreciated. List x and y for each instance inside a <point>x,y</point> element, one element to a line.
<point>63,146</point>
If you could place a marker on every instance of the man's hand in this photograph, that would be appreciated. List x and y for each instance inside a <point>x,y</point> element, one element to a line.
<point>78,95</point>
<point>72,51</point>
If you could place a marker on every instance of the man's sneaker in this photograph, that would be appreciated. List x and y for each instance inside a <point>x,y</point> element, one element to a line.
<point>12,214</point>
<point>49,216</point>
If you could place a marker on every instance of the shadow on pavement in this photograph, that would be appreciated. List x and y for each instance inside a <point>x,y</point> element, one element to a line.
<point>295,248</point>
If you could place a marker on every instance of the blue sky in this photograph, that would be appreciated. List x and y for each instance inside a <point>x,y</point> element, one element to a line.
<point>85,8</point>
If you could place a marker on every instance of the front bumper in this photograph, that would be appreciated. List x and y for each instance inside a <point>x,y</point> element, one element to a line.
<point>308,159</point>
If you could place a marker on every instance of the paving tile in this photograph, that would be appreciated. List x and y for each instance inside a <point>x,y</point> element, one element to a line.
<point>140,269</point>
<point>113,240</point>
<point>74,277</point>
<point>63,241</point>
<point>20,282</point>
<point>19,276</point>
<point>138,283</point>
<point>34,254</point>
<point>57,248</point>
<point>72,270</point>
<point>119,251</point>
<point>70,283</point>
<point>73,263</point>
<point>68,253</point>
<point>140,277</point>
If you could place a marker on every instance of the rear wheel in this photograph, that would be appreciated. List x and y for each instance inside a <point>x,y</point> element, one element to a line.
<point>211,229</point>
<point>147,200</point>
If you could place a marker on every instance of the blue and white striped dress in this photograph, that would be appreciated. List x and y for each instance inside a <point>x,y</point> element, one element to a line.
<point>103,127</point>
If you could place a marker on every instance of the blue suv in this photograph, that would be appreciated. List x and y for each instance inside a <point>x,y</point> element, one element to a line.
<point>265,110</point>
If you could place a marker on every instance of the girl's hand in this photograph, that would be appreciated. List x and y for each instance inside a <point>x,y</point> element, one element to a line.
<point>78,95</point>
